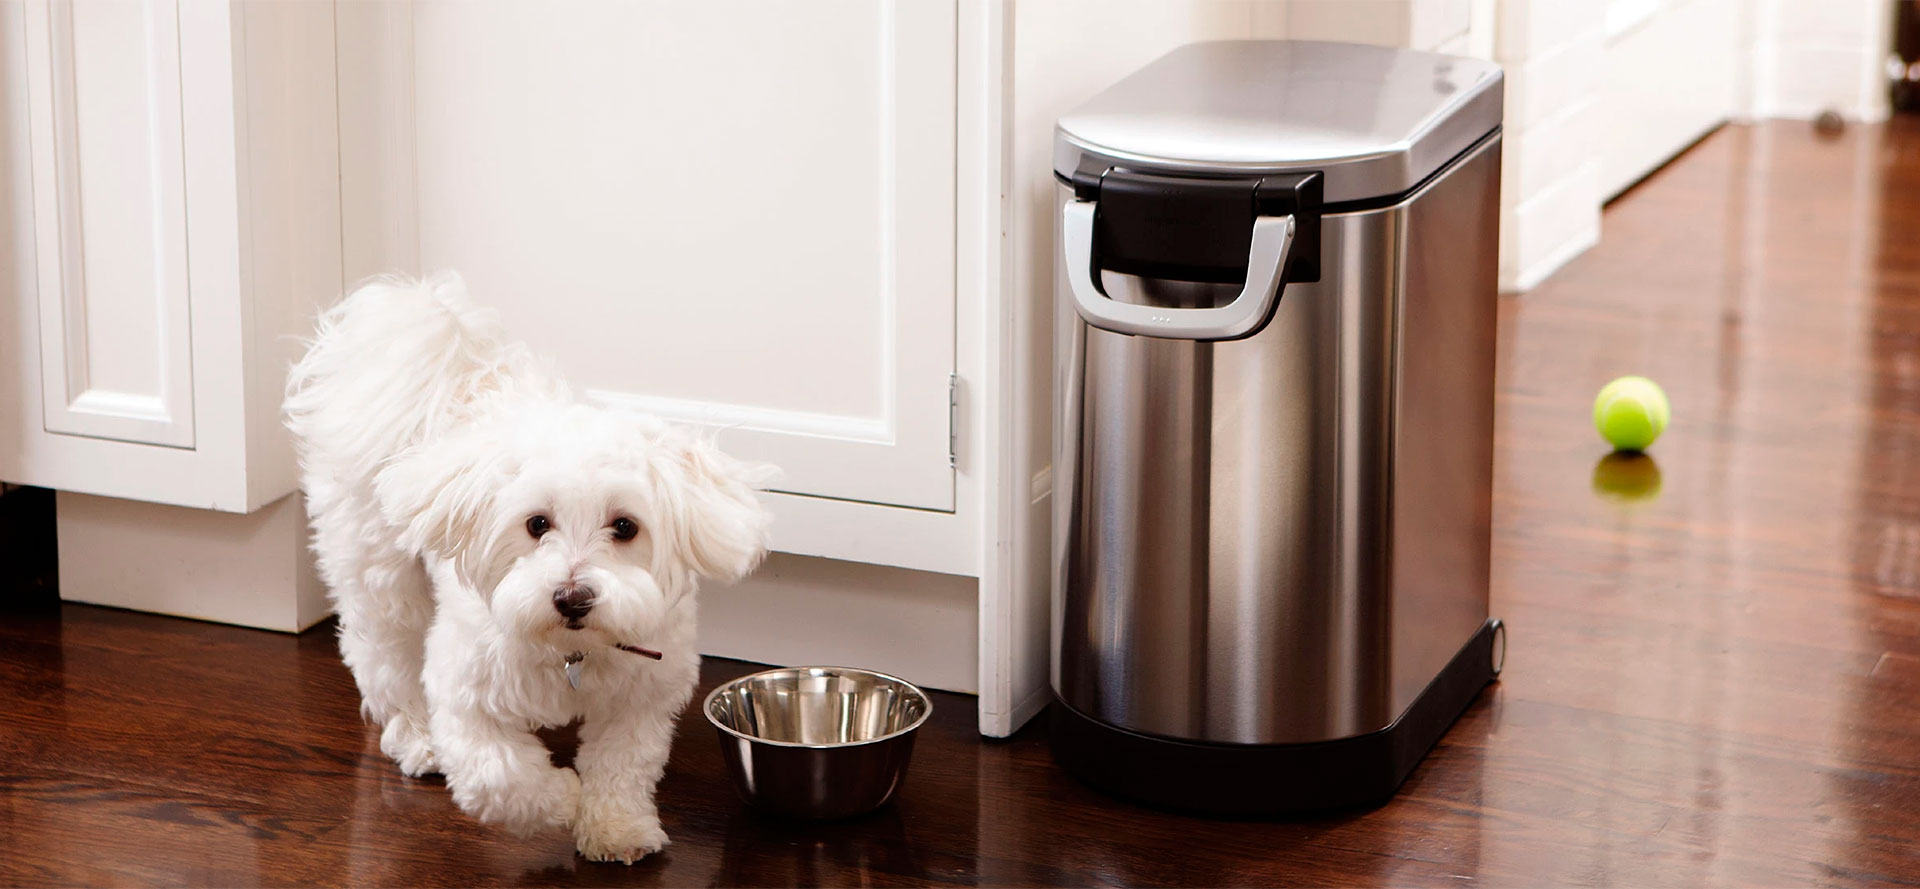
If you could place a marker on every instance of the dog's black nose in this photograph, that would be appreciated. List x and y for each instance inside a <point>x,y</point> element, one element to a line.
<point>573,601</point>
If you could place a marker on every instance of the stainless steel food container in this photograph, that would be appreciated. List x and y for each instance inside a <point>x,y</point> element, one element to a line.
<point>817,742</point>
<point>1275,301</point>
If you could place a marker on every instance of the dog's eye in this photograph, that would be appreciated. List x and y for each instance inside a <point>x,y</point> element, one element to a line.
<point>624,528</point>
<point>539,525</point>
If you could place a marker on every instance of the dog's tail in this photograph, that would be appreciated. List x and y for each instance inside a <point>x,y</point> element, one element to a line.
<point>389,365</point>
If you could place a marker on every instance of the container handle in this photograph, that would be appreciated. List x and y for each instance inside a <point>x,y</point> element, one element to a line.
<point>1266,262</point>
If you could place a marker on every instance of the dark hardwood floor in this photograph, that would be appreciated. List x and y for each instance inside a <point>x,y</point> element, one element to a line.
<point>1713,676</point>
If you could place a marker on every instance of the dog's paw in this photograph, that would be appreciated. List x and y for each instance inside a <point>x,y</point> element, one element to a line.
<point>406,742</point>
<point>622,838</point>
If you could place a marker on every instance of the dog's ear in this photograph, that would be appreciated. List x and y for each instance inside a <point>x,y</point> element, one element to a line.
<point>441,495</point>
<point>715,525</point>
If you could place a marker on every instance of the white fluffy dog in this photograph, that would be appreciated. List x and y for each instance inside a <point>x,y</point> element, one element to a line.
<point>491,542</point>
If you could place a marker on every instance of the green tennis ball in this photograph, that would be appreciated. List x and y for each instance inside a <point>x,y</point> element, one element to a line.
<point>1630,413</point>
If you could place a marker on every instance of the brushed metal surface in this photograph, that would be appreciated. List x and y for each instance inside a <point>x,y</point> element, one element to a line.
<point>1443,422</point>
<point>1375,120</point>
<point>817,742</point>
<point>1281,539</point>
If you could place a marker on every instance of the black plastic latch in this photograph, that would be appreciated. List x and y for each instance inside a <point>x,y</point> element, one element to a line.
<point>1190,228</point>
<point>1086,179</point>
<point>1298,195</point>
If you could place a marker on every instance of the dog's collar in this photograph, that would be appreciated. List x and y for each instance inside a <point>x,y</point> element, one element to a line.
<point>570,665</point>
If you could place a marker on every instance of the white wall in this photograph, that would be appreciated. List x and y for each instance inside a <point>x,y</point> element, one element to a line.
<point>1674,71</point>
<point>1554,55</point>
<point>1436,25</point>
<point>1808,56</point>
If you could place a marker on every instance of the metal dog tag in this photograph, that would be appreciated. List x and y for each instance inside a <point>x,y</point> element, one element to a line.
<point>572,668</point>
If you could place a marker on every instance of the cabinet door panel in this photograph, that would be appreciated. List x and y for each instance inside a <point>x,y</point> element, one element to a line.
<point>740,214</point>
<point>109,219</point>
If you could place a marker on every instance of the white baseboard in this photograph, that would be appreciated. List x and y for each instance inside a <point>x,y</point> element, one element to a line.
<point>918,625</point>
<point>251,569</point>
<point>1000,725</point>
<point>1531,276</point>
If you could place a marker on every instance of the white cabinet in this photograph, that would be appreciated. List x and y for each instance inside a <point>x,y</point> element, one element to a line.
<point>169,219</point>
<point>735,213</point>
<point>103,97</point>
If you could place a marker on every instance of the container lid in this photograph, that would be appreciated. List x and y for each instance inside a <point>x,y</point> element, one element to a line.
<point>1375,121</point>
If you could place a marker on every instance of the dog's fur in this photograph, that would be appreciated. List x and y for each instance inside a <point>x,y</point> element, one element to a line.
<point>427,442</point>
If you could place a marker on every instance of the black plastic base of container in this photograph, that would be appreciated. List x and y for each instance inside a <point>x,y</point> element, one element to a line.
<point>1275,779</point>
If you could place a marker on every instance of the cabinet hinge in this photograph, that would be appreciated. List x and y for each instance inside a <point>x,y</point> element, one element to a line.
<point>953,420</point>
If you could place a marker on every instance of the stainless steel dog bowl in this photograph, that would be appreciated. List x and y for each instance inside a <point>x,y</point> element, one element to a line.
<point>817,742</point>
